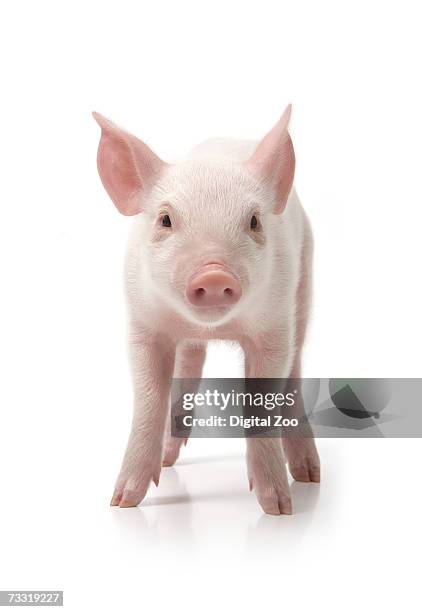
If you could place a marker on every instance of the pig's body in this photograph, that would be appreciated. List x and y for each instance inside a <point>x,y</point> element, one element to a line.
<point>268,283</point>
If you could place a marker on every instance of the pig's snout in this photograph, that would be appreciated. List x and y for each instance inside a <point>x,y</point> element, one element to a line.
<point>213,286</point>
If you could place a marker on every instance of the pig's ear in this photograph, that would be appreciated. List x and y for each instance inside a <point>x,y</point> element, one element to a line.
<point>273,161</point>
<point>126,165</point>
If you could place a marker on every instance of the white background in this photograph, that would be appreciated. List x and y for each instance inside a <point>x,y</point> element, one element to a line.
<point>176,73</point>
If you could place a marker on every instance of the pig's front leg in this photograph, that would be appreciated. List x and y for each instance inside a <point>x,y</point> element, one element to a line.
<point>265,460</point>
<point>267,475</point>
<point>300,449</point>
<point>152,364</point>
<point>189,362</point>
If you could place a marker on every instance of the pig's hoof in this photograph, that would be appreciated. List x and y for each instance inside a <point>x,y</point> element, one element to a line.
<point>131,490</point>
<point>274,500</point>
<point>306,472</point>
<point>303,459</point>
<point>268,476</point>
<point>271,488</point>
<point>172,451</point>
<point>126,499</point>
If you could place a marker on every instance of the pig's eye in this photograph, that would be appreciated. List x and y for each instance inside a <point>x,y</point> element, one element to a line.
<point>166,221</point>
<point>254,222</point>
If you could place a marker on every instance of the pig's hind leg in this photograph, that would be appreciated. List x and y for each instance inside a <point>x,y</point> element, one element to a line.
<point>189,362</point>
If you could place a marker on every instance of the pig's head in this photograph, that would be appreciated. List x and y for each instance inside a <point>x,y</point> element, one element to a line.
<point>207,225</point>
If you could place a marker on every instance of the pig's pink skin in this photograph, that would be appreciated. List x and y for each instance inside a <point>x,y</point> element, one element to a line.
<point>210,197</point>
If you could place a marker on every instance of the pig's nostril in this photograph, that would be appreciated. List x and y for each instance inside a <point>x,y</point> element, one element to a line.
<point>228,292</point>
<point>200,291</point>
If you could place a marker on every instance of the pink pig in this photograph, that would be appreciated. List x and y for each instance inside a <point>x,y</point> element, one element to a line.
<point>220,249</point>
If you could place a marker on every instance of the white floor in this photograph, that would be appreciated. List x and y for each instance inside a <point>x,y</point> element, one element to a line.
<point>200,541</point>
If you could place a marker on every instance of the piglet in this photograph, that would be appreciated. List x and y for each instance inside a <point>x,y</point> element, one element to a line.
<point>220,249</point>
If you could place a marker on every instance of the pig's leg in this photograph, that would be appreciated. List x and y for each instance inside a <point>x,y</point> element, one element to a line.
<point>152,364</point>
<point>301,452</point>
<point>265,460</point>
<point>189,362</point>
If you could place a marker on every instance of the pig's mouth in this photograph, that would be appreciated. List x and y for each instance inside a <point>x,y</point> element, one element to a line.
<point>213,290</point>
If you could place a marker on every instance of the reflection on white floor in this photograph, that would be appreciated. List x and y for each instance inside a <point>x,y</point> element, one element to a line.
<point>212,492</point>
<point>201,542</point>
<point>207,536</point>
